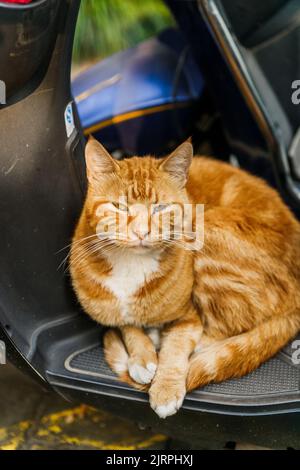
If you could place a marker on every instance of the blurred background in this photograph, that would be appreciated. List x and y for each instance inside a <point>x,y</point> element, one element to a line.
<point>132,71</point>
<point>105,27</point>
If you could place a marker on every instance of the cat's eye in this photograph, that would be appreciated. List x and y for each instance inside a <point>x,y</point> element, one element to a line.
<point>120,206</point>
<point>159,208</point>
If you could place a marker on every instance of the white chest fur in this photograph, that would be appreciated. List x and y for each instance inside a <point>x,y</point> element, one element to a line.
<point>129,273</point>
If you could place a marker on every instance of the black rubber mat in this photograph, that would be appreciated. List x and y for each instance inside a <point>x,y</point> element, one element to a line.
<point>90,361</point>
<point>278,377</point>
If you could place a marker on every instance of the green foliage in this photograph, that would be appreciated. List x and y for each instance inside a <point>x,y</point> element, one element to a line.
<point>107,26</point>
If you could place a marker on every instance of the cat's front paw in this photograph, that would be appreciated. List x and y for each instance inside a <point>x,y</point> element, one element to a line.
<point>142,374</point>
<point>166,397</point>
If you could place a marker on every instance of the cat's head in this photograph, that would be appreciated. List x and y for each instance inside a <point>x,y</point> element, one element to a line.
<point>136,203</point>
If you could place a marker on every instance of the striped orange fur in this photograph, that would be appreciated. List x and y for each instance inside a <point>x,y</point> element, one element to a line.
<point>219,311</point>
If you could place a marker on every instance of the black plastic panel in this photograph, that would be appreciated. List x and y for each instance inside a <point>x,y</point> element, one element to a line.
<point>40,194</point>
<point>27,37</point>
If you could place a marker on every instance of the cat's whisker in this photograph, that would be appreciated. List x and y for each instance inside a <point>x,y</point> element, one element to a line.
<point>86,244</point>
<point>80,245</point>
<point>86,251</point>
<point>75,242</point>
<point>91,245</point>
<point>80,259</point>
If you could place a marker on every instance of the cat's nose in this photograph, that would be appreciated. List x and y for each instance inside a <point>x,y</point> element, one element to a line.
<point>141,233</point>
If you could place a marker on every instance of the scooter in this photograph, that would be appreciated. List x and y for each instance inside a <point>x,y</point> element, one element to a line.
<point>242,106</point>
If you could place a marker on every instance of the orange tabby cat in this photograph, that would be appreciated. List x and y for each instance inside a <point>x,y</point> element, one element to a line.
<point>185,317</point>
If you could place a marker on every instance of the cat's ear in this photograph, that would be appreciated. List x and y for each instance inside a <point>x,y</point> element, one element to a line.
<point>178,163</point>
<point>98,161</point>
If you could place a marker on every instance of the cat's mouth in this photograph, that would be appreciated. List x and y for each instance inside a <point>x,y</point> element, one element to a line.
<point>142,244</point>
<point>140,249</point>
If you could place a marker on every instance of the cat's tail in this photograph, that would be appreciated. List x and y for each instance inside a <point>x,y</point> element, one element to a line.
<point>117,357</point>
<point>239,355</point>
